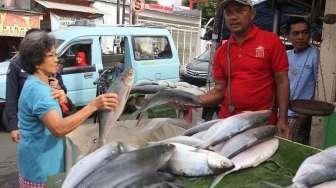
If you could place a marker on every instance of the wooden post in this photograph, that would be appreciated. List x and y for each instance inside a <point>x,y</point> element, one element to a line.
<point>328,58</point>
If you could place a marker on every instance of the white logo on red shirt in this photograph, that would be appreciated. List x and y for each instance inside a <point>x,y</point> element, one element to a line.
<point>260,52</point>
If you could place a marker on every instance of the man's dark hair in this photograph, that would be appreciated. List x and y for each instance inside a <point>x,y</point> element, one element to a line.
<point>33,49</point>
<point>296,20</point>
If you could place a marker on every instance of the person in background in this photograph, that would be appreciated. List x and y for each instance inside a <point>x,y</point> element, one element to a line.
<point>41,125</point>
<point>81,58</point>
<point>303,67</point>
<point>258,65</point>
<point>16,76</point>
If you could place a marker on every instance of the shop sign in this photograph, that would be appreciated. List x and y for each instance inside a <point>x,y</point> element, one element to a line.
<point>16,25</point>
<point>58,21</point>
<point>160,8</point>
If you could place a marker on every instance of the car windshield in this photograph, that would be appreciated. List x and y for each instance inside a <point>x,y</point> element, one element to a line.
<point>205,56</point>
<point>152,47</point>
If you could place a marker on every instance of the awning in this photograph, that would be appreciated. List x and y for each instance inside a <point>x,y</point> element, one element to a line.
<point>68,7</point>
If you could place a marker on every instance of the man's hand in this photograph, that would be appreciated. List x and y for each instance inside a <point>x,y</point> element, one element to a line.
<point>15,135</point>
<point>283,128</point>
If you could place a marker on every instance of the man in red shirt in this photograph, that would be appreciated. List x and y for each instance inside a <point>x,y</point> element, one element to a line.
<point>250,69</point>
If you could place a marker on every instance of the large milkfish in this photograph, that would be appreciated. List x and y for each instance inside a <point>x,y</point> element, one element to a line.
<point>122,87</point>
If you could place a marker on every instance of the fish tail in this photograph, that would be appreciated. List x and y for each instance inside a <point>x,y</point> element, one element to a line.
<point>135,115</point>
<point>138,123</point>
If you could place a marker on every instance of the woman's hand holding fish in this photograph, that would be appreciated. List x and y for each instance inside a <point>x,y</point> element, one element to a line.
<point>60,95</point>
<point>106,101</point>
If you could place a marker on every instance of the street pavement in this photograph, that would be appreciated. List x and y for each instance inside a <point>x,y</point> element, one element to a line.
<point>8,168</point>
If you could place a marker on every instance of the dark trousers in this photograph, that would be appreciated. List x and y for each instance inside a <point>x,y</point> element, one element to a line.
<point>208,112</point>
<point>300,128</point>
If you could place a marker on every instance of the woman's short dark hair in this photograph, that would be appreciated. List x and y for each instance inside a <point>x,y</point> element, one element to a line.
<point>33,49</point>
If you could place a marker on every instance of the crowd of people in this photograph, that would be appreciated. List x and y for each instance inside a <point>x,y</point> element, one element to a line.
<point>252,71</point>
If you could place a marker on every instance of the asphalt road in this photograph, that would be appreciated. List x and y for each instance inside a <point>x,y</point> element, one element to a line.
<point>8,168</point>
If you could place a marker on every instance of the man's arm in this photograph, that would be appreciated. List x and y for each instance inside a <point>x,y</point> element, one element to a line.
<point>12,96</point>
<point>282,93</point>
<point>215,95</point>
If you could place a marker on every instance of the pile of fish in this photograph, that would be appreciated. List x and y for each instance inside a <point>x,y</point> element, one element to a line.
<point>318,170</point>
<point>217,147</point>
<point>114,166</point>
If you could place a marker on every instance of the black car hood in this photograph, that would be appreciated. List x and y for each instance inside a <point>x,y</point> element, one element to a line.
<point>198,65</point>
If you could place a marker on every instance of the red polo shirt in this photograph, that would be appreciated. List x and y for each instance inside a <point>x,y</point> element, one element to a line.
<point>253,64</point>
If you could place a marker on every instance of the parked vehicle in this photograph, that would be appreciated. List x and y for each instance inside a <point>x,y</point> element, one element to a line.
<point>196,72</point>
<point>86,51</point>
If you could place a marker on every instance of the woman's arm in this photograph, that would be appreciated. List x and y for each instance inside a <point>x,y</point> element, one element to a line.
<point>60,126</point>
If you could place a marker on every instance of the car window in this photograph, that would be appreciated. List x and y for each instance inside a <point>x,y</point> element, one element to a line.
<point>77,55</point>
<point>153,47</point>
<point>205,56</point>
<point>113,49</point>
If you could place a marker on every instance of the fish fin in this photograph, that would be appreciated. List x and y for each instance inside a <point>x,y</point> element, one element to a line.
<point>203,146</point>
<point>266,184</point>
<point>135,115</point>
<point>217,180</point>
<point>138,123</point>
<point>211,148</point>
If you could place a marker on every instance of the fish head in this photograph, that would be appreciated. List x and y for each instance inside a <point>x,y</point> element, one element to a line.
<point>219,163</point>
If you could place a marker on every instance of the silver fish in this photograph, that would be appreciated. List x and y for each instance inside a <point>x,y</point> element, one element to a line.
<point>316,169</point>
<point>246,139</point>
<point>201,127</point>
<point>121,86</point>
<point>223,130</point>
<point>128,165</point>
<point>147,89</point>
<point>165,96</point>
<point>251,157</point>
<point>91,162</point>
<point>199,135</point>
<point>190,161</point>
<point>327,184</point>
<point>156,179</point>
<point>186,140</point>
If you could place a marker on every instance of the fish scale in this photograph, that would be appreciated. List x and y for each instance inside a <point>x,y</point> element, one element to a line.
<point>226,129</point>
<point>122,87</point>
<point>317,169</point>
<point>165,96</point>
